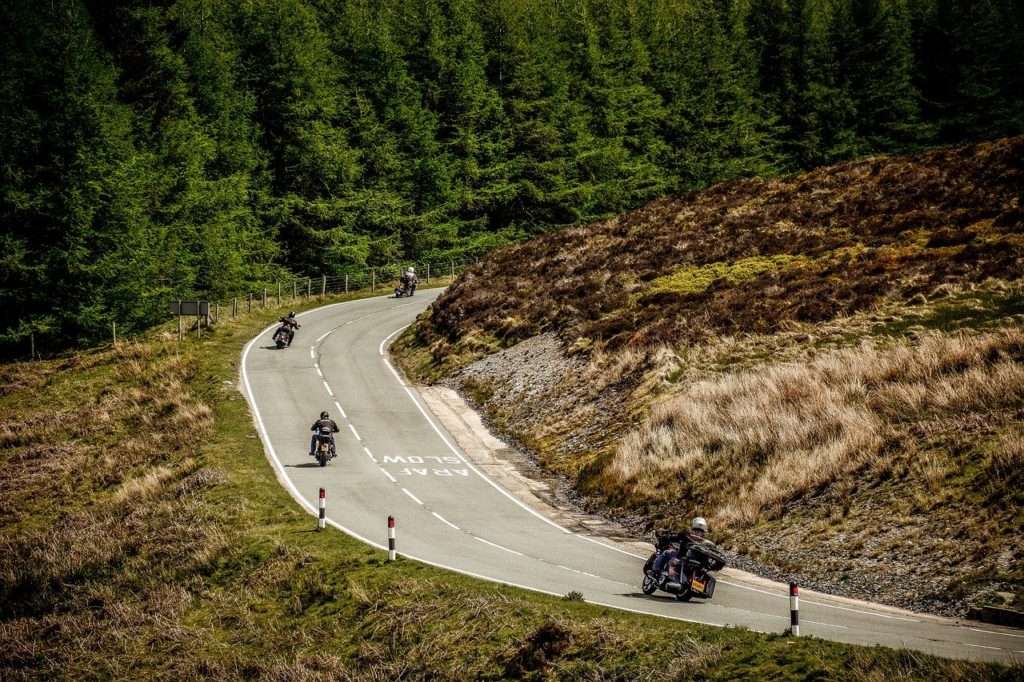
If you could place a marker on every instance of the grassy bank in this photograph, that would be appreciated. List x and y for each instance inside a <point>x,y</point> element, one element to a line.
<point>828,366</point>
<point>145,536</point>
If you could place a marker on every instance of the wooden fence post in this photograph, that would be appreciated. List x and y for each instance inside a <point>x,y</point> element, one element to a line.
<point>295,289</point>
<point>323,286</point>
<point>428,273</point>
<point>309,287</point>
<point>279,293</point>
<point>32,345</point>
<point>346,282</point>
<point>234,307</point>
<point>452,263</point>
<point>179,321</point>
<point>264,297</point>
<point>113,328</point>
<point>373,279</point>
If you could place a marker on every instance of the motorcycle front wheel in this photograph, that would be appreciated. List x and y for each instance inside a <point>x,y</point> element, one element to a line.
<point>685,595</point>
<point>649,585</point>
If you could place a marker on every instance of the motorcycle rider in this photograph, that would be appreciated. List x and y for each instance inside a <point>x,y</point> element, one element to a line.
<point>408,280</point>
<point>290,324</point>
<point>324,427</point>
<point>698,529</point>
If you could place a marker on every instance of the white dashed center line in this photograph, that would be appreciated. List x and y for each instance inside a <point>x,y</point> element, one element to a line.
<point>329,391</point>
<point>388,475</point>
<point>488,542</point>
<point>369,454</point>
<point>354,432</point>
<point>411,496</point>
<point>445,521</point>
<point>340,411</point>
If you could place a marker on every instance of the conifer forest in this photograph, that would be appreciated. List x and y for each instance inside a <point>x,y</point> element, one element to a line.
<point>170,148</point>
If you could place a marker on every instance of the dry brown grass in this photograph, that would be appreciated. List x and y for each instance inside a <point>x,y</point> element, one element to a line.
<point>747,443</point>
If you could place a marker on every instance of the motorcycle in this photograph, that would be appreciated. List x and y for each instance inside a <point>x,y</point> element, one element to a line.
<point>686,576</point>
<point>324,450</point>
<point>405,289</point>
<point>283,336</point>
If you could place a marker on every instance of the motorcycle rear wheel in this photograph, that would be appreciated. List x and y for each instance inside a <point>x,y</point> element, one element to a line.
<point>685,595</point>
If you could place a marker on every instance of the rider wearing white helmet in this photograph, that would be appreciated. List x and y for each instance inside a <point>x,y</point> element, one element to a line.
<point>698,529</point>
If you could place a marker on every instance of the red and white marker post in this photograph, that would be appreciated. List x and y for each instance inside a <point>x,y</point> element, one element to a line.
<point>321,522</point>
<point>794,609</point>
<point>391,538</point>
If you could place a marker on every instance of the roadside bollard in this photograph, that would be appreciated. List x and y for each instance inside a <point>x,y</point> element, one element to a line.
<point>321,522</point>
<point>391,538</point>
<point>794,609</point>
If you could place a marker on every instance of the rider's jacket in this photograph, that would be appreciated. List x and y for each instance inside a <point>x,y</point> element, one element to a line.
<point>324,427</point>
<point>289,321</point>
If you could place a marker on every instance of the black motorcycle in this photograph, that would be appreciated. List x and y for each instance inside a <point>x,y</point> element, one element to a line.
<point>686,575</point>
<point>284,335</point>
<point>324,449</point>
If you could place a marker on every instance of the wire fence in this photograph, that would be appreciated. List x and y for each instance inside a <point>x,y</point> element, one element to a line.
<point>297,290</point>
<point>383,278</point>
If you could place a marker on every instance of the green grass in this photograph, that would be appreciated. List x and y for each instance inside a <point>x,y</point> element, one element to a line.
<point>693,280</point>
<point>220,575</point>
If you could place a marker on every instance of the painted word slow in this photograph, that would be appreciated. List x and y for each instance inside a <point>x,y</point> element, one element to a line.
<point>415,459</point>
<point>436,472</point>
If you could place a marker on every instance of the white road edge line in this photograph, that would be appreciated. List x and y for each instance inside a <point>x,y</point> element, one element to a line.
<point>312,352</point>
<point>445,521</point>
<point>493,544</point>
<point>329,391</point>
<point>369,454</point>
<point>354,432</point>
<point>388,474</point>
<point>412,497</point>
<point>982,646</point>
<point>324,335</point>
<point>827,625</point>
<point>451,447</point>
<point>341,411</point>
<point>818,603</point>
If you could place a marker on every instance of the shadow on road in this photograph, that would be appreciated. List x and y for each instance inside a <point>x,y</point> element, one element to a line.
<point>307,465</point>
<point>657,597</point>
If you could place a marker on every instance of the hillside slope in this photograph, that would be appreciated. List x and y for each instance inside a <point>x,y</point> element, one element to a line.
<point>829,366</point>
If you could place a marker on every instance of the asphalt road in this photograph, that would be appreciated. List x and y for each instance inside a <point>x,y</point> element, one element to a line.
<point>394,458</point>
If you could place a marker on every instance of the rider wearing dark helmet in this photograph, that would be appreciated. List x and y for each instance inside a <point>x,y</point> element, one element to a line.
<point>698,529</point>
<point>324,427</point>
<point>290,324</point>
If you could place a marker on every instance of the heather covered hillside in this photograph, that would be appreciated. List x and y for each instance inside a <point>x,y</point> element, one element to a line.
<point>830,366</point>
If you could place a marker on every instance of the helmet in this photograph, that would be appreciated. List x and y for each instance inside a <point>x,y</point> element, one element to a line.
<point>291,314</point>
<point>324,415</point>
<point>699,524</point>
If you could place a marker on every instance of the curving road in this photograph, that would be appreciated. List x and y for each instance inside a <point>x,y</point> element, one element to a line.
<point>394,458</point>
